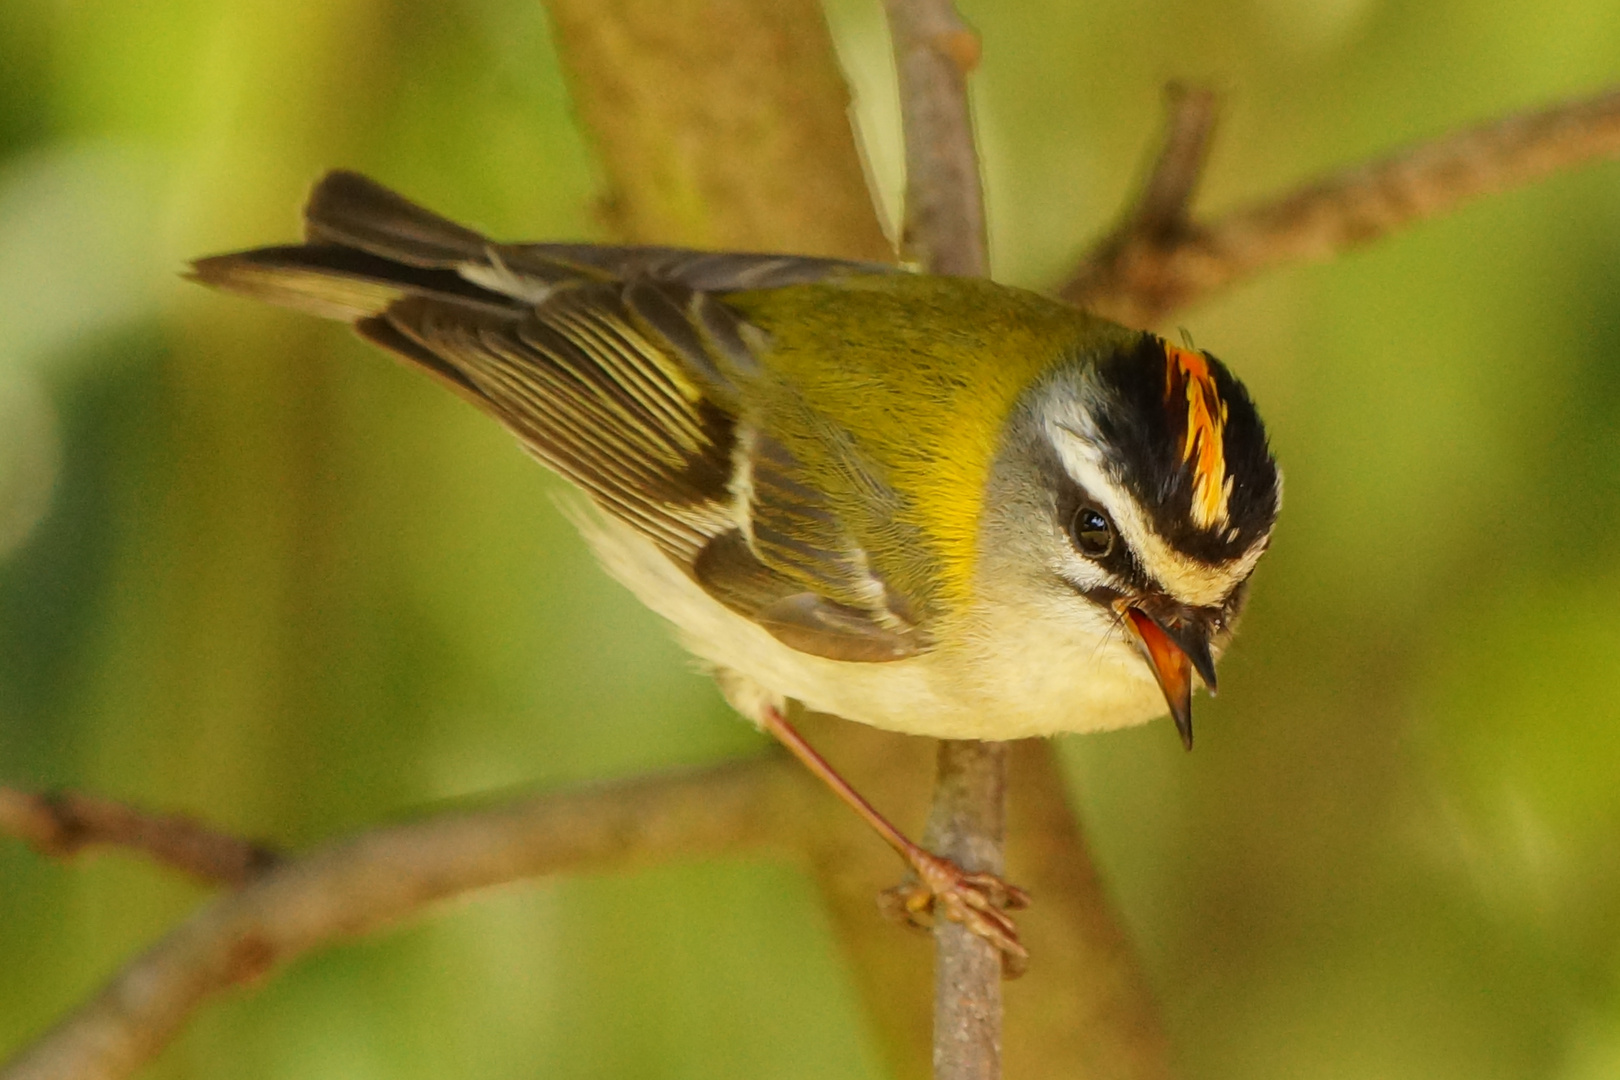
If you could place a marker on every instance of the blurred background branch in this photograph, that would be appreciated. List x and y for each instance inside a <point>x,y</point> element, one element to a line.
<point>358,885</point>
<point>719,124</point>
<point>1162,261</point>
<point>63,824</point>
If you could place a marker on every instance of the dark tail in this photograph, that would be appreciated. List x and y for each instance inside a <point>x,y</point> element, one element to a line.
<point>347,209</point>
<point>367,247</point>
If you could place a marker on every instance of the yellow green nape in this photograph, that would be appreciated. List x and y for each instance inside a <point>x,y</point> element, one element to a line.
<point>921,374</point>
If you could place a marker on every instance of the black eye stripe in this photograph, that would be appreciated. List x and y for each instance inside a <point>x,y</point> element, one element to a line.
<point>1070,501</point>
<point>1067,497</point>
<point>1125,577</point>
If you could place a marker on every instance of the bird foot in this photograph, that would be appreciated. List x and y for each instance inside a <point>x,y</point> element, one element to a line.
<point>978,901</point>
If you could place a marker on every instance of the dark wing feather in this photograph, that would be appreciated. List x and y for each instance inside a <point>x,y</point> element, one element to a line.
<point>793,528</point>
<point>594,400</point>
<point>799,574</point>
<point>732,573</point>
<point>349,209</point>
<point>619,368</point>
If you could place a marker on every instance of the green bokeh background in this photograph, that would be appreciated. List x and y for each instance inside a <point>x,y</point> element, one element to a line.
<point>256,572</point>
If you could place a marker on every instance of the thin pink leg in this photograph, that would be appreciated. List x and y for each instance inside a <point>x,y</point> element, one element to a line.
<point>977,901</point>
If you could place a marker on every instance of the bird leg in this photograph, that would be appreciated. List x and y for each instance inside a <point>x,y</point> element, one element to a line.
<point>979,901</point>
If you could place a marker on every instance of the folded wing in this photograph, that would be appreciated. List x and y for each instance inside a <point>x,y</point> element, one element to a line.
<point>622,369</point>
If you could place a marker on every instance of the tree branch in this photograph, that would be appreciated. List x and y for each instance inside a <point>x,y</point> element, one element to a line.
<point>945,231</point>
<point>1084,1008</point>
<point>61,825</point>
<point>934,51</point>
<point>361,884</point>
<point>660,83</point>
<point>967,825</point>
<point>1173,181</point>
<point>1138,276</point>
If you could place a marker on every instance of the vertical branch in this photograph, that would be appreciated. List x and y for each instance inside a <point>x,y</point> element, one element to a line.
<point>720,124</point>
<point>934,50</point>
<point>944,230</point>
<point>967,825</point>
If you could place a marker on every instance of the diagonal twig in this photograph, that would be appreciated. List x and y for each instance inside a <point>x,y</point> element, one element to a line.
<point>62,824</point>
<point>1139,277</point>
<point>361,884</point>
<point>1167,197</point>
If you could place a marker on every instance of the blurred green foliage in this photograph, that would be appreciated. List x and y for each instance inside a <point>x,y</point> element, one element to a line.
<point>256,572</point>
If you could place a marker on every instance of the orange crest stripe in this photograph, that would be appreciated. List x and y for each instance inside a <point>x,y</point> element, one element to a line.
<point>1206,422</point>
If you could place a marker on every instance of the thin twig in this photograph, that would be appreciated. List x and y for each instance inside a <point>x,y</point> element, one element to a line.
<point>968,826</point>
<point>361,884</point>
<point>945,232</point>
<point>1173,181</point>
<point>1142,279</point>
<point>934,50</point>
<point>63,824</point>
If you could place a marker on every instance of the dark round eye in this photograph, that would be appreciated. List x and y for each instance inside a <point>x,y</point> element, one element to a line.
<point>1092,532</point>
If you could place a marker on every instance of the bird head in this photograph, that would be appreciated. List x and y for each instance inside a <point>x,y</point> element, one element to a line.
<point>1133,497</point>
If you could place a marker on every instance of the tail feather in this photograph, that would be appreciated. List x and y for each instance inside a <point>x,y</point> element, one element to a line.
<point>349,209</point>
<point>334,282</point>
<point>368,247</point>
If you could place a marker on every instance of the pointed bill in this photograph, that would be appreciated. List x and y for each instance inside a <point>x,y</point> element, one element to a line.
<point>1194,641</point>
<point>1172,666</point>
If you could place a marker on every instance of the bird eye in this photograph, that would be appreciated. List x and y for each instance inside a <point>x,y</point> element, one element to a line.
<point>1092,532</point>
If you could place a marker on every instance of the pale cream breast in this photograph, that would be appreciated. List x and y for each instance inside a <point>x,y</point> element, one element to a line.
<point>1015,675</point>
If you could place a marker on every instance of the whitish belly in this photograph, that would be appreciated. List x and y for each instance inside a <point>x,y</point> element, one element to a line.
<point>1024,683</point>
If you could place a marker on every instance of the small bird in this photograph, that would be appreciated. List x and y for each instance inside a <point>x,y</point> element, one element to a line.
<point>935,505</point>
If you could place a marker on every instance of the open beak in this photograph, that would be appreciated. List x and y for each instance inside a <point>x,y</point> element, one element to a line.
<point>1174,652</point>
